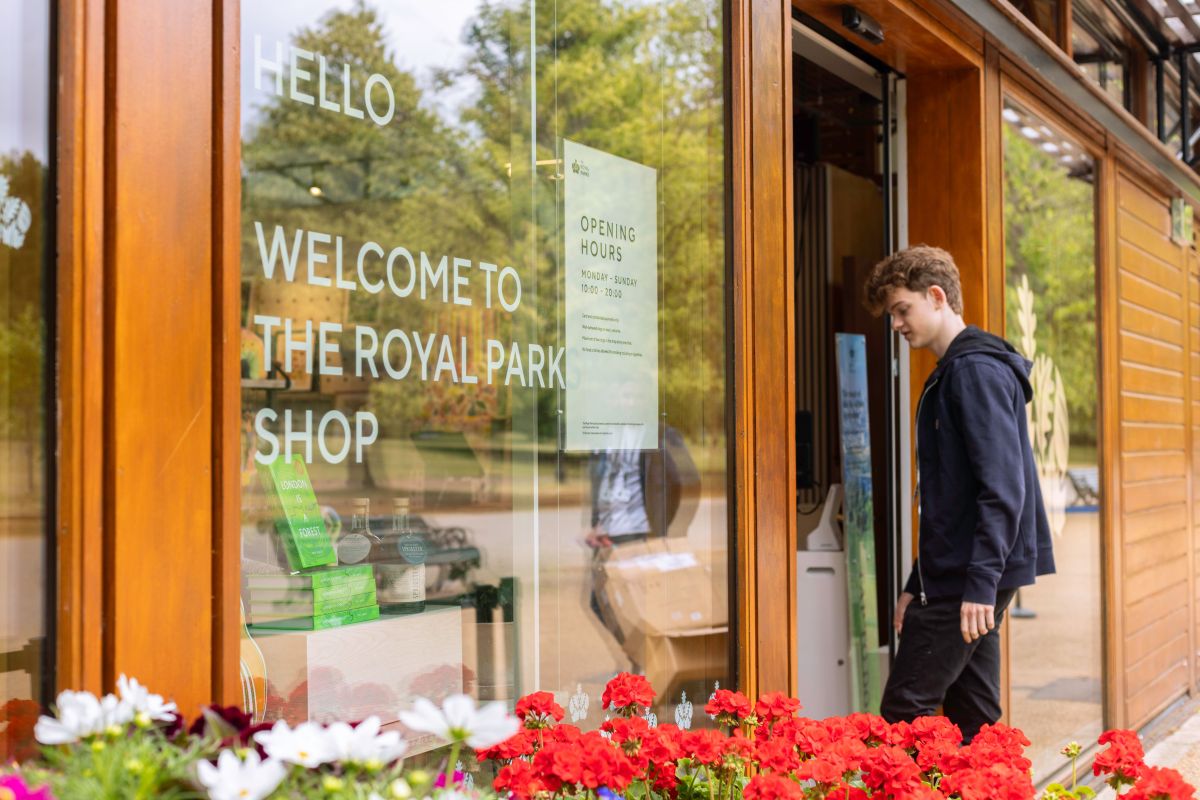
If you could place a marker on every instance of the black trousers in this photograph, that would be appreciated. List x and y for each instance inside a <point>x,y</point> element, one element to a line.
<point>935,667</point>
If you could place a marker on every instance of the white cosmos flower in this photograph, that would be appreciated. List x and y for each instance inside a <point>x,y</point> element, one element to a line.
<point>363,744</point>
<point>458,720</point>
<point>234,779</point>
<point>144,703</point>
<point>80,715</point>
<point>307,744</point>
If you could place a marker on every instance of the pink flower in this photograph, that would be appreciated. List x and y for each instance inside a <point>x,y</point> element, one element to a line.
<point>13,786</point>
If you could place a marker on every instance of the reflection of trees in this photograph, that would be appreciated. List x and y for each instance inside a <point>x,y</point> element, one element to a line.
<point>22,321</point>
<point>642,81</point>
<point>1050,237</point>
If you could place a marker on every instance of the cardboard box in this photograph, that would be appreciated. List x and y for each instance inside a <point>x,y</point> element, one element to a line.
<point>671,601</point>
<point>686,656</point>
<point>666,586</point>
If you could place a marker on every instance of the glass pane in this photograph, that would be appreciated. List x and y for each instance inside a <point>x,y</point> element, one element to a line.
<point>25,247</point>
<point>1050,275</point>
<point>1099,46</point>
<point>483,354</point>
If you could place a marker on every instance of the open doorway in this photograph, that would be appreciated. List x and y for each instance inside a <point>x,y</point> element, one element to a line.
<point>850,527</point>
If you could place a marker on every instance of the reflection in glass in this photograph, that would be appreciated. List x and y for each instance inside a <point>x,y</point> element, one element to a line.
<point>409,290</point>
<point>1049,245</point>
<point>1100,45</point>
<point>24,249</point>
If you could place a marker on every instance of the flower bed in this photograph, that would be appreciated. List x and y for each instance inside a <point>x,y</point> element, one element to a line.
<point>134,744</point>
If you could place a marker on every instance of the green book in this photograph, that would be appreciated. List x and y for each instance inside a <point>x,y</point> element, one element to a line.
<point>345,580</point>
<point>324,594</point>
<point>261,609</point>
<point>297,515</point>
<point>322,621</point>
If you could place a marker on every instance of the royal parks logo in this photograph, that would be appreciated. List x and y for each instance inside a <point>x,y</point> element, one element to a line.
<point>15,217</point>
<point>580,169</point>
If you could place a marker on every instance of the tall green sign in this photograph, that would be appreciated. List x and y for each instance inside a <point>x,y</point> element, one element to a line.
<point>865,683</point>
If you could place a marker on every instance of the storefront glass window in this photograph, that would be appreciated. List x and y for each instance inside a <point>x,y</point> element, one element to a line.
<point>25,247</point>
<point>1050,275</point>
<point>483,354</point>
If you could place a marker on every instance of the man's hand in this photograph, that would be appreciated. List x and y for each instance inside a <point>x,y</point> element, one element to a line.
<point>977,619</point>
<point>901,606</point>
<point>597,538</point>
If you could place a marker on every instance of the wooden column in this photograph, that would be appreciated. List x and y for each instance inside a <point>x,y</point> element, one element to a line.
<point>81,365</point>
<point>763,332</point>
<point>158,351</point>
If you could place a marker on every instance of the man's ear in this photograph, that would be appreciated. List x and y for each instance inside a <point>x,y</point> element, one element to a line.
<point>938,296</point>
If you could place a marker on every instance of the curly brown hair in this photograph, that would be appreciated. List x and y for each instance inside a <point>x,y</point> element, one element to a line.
<point>916,269</point>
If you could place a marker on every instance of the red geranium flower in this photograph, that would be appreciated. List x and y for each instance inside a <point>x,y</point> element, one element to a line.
<point>662,746</point>
<point>704,746</point>
<point>869,727</point>
<point>729,707</point>
<point>1160,783</point>
<point>562,733</point>
<point>901,735</point>
<point>522,780</point>
<point>627,693</point>
<point>820,770</point>
<point>772,787</point>
<point>1123,760</point>
<point>995,782</point>
<point>890,769</point>
<point>558,763</point>
<point>777,755</point>
<point>602,763</point>
<point>537,709</point>
<point>522,743</point>
<point>931,729</point>
<point>776,705</point>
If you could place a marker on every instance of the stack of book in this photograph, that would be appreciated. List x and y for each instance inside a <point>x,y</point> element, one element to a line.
<point>312,601</point>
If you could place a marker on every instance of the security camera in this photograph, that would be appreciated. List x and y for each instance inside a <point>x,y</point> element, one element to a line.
<point>862,24</point>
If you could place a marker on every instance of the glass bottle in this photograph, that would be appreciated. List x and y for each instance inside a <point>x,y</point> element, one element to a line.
<point>358,543</point>
<point>400,569</point>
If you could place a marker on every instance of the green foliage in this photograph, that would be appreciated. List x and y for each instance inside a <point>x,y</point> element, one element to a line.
<point>137,766</point>
<point>1049,219</point>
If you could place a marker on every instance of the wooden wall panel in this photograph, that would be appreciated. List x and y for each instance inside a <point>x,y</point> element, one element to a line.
<point>1155,538</point>
<point>159,346</point>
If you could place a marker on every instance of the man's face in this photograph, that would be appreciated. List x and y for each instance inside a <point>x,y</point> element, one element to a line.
<point>917,316</point>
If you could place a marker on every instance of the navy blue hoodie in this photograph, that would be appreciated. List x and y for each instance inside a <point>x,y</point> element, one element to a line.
<point>983,522</point>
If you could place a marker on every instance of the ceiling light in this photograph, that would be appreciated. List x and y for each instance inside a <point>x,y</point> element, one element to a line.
<point>1030,133</point>
<point>1010,115</point>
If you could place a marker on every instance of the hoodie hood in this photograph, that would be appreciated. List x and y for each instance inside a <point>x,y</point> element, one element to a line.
<point>973,341</point>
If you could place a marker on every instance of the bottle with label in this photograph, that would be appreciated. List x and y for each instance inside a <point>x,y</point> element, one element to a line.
<point>356,545</point>
<point>400,566</point>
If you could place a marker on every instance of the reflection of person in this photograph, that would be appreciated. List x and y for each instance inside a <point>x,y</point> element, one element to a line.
<point>983,526</point>
<point>636,494</point>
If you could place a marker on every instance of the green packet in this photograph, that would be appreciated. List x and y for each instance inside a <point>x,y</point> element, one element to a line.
<point>322,621</point>
<point>266,608</point>
<point>353,579</point>
<point>297,515</point>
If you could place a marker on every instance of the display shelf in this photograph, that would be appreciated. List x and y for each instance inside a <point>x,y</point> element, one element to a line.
<point>370,668</point>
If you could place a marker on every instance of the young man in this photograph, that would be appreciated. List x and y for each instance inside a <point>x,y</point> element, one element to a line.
<point>983,527</point>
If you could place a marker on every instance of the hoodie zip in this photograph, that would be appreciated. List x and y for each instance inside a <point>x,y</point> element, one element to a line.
<point>917,489</point>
